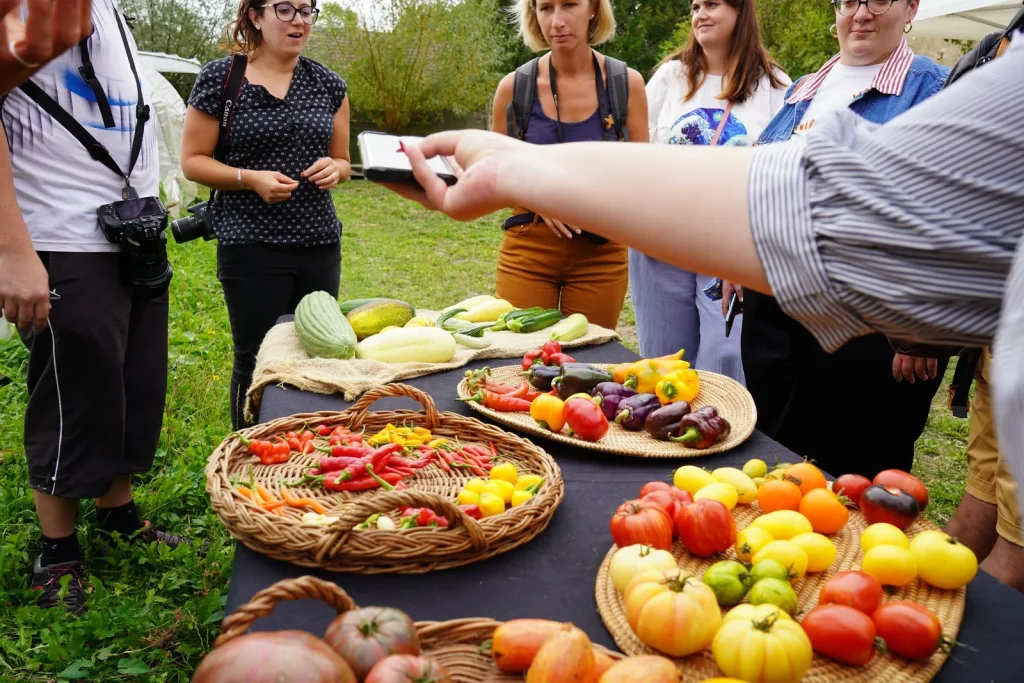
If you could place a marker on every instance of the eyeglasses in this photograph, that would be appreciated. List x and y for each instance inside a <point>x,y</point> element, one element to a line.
<point>848,8</point>
<point>286,12</point>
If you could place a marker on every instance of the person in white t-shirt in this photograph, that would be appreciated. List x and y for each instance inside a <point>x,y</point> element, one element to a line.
<point>720,88</point>
<point>97,368</point>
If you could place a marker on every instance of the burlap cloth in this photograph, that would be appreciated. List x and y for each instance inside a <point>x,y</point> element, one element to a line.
<point>281,360</point>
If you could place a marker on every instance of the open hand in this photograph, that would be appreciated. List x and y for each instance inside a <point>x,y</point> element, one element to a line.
<point>50,29</point>
<point>912,368</point>
<point>476,156</point>
<point>324,172</point>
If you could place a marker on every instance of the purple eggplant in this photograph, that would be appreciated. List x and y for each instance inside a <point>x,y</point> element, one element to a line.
<point>633,411</point>
<point>664,422</point>
<point>608,395</point>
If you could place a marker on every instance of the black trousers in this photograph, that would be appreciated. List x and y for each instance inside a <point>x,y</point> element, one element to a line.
<point>262,283</point>
<point>843,410</point>
<point>97,378</point>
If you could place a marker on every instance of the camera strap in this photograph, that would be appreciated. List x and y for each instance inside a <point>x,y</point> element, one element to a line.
<point>229,96</point>
<point>96,150</point>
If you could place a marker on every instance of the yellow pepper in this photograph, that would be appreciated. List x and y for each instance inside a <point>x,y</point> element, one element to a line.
<point>621,370</point>
<point>644,375</point>
<point>438,442</point>
<point>681,385</point>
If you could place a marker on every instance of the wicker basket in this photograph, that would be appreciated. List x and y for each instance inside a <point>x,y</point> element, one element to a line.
<point>455,645</point>
<point>732,399</point>
<point>947,605</point>
<point>410,551</point>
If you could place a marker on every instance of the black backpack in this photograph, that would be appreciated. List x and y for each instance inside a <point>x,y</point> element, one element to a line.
<point>988,48</point>
<point>517,114</point>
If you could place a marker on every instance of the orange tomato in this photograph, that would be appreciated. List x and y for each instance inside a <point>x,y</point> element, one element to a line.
<point>778,495</point>
<point>823,508</point>
<point>807,477</point>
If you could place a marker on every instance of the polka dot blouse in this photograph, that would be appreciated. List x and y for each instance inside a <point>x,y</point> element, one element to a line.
<point>269,134</point>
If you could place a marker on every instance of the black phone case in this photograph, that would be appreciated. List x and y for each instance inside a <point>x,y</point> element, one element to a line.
<point>383,174</point>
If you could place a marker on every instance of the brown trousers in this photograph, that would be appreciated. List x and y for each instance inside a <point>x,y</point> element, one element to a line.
<point>537,268</point>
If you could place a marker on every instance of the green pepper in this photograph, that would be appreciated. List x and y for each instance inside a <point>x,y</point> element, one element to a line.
<point>578,378</point>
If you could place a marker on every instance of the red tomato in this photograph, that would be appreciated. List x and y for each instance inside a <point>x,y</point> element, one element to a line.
<point>852,486</point>
<point>887,504</point>
<point>681,497</point>
<point>909,629</point>
<point>906,481</point>
<point>858,590</point>
<point>654,486</point>
<point>406,668</point>
<point>705,527</point>
<point>663,499</point>
<point>363,637</point>
<point>842,633</point>
<point>640,521</point>
<point>585,419</point>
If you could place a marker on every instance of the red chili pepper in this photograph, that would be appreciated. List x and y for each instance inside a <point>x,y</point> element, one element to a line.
<point>500,402</point>
<point>423,461</point>
<point>472,510</point>
<point>308,446</point>
<point>294,443</point>
<point>307,435</point>
<point>531,358</point>
<point>383,454</point>
<point>494,451</point>
<point>549,348</point>
<point>347,451</point>
<point>518,392</point>
<point>329,464</point>
<point>560,359</point>
<point>324,430</point>
<point>442,460</point>
<point>531,395</point>
<point>363,484</point>
<point>291,435</point>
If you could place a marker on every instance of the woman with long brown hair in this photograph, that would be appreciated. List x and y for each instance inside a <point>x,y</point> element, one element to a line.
<point>279,237</point>
<point>719,88</point>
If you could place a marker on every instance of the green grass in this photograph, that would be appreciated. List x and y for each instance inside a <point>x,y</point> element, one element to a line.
<point>153,613</point>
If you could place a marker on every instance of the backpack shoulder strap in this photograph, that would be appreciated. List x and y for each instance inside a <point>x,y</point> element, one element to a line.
<point>517,114</point>
<point>618,94</point>
<point>228,100</point>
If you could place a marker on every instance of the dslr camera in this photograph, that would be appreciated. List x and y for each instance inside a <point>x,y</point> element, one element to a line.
<point>199,224</point>
<point>138,225</point>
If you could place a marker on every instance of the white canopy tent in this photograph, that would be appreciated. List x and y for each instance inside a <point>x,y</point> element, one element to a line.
<point>963,19</point>
<point>169,115</point>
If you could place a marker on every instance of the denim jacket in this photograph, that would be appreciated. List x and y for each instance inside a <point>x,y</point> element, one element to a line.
<point>904,81</point>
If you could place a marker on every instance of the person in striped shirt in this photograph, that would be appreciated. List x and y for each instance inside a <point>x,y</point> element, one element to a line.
<point>807,398</point>
<point>855,228</point>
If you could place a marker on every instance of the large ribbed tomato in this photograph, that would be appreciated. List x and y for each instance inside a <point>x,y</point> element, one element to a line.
<point>271,657</point>
<point>365,636</point>
<point>644,522</point>
<point>706,527</point>
<point>407,669</point>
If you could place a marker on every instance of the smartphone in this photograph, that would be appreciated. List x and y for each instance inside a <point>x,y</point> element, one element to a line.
<point>385,162</point>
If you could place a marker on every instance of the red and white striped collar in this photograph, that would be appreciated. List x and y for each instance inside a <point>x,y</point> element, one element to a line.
<point>889,79</point>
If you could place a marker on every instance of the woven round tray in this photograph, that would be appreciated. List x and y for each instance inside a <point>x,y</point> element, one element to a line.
<point>455,645</point>
<point>732,399</point>
<point>372,551</point>
<point>947,605</point>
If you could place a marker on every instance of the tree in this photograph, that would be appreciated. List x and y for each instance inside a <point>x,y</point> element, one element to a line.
<point>412,61</point>
<point>188,28</point>
<point>643,25</point>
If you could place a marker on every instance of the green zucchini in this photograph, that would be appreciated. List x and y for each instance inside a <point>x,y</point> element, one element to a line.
<point>322,329</point>
<point>350,305</point>
<point>448,316</point>
<point>535,322</point>
<point>472,342</point>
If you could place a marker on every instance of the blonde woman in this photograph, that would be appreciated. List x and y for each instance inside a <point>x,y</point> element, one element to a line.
<point>574,95</point>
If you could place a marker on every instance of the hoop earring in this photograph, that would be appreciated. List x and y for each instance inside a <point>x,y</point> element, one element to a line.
<point>908,28</point>
<point>833,31</point>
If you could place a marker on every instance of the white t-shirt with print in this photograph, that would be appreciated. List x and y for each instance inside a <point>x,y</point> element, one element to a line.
<point>841,85</point>
<point>694,122</point>
<point>58,185</point>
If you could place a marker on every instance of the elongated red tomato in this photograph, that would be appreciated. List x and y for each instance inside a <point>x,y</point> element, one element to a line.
<point>909,629</point>
<point>641,521</point>
<point>858,590</point>
<point>842,633</point>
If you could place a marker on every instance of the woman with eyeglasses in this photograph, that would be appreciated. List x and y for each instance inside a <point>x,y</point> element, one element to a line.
<point>811,401</point>
<point>279,237</point>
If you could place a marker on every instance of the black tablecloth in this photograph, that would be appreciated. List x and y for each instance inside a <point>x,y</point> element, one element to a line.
<point>553,575</point>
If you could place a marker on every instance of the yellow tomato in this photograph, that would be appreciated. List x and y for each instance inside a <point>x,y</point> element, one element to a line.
<point>755,468</point>
<point>758,481</point>
<point>502,488</point>
<point>692,479</point>
<point>883,534</point>
<point>506,471</point>
<point>632,560</point>
<point>490,505</point>
<point>942,561</point>
<point>756,612</point>
<point>784,524</point>
<point>744,485</point>
<point>475,485</point>
<point>750,540</point>
<point>777,651</point>
<point>821,552</point>
<point>467,497</point>
<point>673,613</point>
<point>890,564</point>
<point>525,481</point>
<point>786,553</point>
<point>520,497</point>
<point>720,491</point>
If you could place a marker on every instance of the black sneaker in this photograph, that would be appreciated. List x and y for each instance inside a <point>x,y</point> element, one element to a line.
<point>47,580</point>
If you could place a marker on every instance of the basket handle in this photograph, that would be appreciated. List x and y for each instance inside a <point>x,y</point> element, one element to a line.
<point>361,407</point>
<point>356,512</point>
<point>264,602</point>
